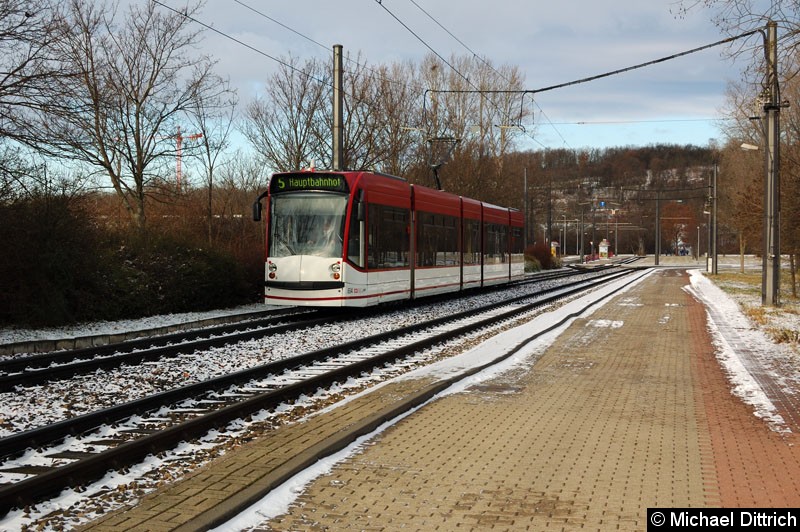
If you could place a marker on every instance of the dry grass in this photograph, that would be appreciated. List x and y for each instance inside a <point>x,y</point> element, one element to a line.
<point>757,315</point>
<point>787,336</point>
<point>781,323</point>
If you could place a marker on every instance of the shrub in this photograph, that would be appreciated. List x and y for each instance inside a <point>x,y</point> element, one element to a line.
<point>531,264</point>
<point>541,253</point>
<point>58,267</point>
<point>49,261</point>
<point>162,275</point>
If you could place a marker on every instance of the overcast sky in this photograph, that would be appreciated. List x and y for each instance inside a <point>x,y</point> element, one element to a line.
<point>552,42</point>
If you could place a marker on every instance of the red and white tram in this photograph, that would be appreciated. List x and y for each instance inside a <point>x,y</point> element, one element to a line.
<point>357,239</point>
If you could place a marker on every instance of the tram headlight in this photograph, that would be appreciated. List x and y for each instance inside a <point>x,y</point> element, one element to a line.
<point>272,268</point>
<point>336,268</point>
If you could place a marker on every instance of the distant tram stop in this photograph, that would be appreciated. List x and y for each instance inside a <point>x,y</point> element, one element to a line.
<point>603,247</point>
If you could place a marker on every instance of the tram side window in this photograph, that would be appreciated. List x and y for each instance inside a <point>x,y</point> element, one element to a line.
<point>472,242</point>
<point>517,251</point>
<point>388,237</point>
<point>496,244</point>
<point>354,245</point>
<point>437,240</point>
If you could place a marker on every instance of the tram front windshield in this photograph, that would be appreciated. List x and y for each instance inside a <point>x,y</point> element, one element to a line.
<point>305,223</point>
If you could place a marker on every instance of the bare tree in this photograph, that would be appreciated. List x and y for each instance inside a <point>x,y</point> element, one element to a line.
<point>27,67</point>
<point>744,173</point>
<point>480,105</point>
<point>132,83</point>
<point>790,173</point>
<point>284,125</point>
<point>242,178</point>
<point>391,119</point>
<point>381,111</point>
<point>291,126</point>
<point>364,116</point>
<point>739,193</point>
<point>737,17</point>
<point>212,115</point>
<point>398,130</point>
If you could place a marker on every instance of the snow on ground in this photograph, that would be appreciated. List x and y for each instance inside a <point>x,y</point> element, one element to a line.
<point>10,335</point>
<point>736,341</point>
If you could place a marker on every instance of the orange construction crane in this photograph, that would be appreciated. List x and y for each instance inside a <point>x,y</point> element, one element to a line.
<point>179,139</point>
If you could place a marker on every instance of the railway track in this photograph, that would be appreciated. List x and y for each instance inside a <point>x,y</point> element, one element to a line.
<point>35,369</point>
<point>45,367</point>
<point>163,420</point>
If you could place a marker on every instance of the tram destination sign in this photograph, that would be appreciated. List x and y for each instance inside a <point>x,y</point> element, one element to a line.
<point>306,181</point>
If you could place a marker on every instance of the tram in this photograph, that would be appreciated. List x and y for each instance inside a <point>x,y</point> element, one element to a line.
<point>355,239</point>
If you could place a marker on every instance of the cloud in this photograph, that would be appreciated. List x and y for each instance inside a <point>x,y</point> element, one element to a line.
<point>551,43</point>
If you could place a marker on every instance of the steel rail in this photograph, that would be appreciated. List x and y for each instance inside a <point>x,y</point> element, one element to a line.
<point>31,377</point>
<point>20,363</point>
